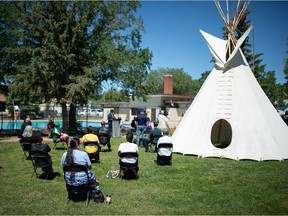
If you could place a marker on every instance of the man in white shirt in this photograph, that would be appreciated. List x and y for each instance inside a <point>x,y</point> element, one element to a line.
<point>165,139</point>
<point>162,120</point>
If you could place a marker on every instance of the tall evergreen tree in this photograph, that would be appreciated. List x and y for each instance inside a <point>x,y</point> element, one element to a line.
<point>65,49</point>
<point>267,80</point>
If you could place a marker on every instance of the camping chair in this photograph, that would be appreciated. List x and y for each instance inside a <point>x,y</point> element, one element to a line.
<point>127,170</point>
<point>77,192</point>
<point>154,141</point>
<point>41,159</point>
<point>164,160</point>
<point>26,147</point>
<point>95,155</point>
<point>104,139</point>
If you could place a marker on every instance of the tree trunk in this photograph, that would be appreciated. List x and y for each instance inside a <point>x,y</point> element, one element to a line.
<point>72,118</point>
<point>64,117</point>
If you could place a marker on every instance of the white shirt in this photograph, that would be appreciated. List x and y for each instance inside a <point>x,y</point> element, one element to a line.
<point>164,151</point>
<point>162,119</point>
<point>128,147</point>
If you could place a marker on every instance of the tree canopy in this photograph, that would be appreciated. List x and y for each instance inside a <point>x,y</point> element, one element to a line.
<point>183,83</point>
<point>65,49</point>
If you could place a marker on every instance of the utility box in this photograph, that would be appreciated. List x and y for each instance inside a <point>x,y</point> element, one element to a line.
<point>116,128</point>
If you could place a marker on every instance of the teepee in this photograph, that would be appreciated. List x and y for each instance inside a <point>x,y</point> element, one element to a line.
<point>231,117</point>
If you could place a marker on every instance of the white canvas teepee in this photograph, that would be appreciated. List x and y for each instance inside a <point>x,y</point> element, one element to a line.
<point>231,117</point>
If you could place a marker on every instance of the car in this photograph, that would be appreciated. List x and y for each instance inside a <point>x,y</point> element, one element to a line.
<point>82,113</point>
<point>99,113</point>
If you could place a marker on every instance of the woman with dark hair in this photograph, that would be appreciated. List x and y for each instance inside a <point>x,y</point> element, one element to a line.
<point>74,155</point>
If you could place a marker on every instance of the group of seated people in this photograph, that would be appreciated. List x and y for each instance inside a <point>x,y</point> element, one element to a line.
<point>74,153</point>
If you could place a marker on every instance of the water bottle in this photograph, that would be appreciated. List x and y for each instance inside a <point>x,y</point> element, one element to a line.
<point>108,199</point>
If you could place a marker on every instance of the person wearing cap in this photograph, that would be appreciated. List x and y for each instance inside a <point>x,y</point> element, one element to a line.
<point>141,123</point>
<point>162,121</point>
<point>57,135</point>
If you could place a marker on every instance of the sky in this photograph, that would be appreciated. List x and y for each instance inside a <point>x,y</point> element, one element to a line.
<point>173,36</point>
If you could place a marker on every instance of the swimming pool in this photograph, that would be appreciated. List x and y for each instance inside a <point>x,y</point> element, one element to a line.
<point>43,124</point>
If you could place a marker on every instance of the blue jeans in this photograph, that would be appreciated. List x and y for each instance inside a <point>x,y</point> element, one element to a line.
<point>140,131</point>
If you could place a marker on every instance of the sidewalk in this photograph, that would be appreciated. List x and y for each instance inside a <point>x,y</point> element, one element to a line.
<point>16,139</point>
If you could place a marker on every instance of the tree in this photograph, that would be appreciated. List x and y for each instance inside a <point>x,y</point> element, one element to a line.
<point>65,50</point>
<point>267,80</point>
<point>203,77</point>
<point>113,95</point>
<point>183,83</point>
<point>286,73</point>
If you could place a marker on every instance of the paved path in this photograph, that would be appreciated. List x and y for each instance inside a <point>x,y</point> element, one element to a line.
<point>16,139</point>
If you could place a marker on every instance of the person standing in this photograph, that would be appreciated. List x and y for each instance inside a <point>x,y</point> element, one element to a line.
<point>142,122</point>
<point>110,119</point>
<point>163,121</point>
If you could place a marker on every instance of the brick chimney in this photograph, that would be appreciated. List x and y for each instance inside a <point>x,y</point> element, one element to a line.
<point>168,84</point>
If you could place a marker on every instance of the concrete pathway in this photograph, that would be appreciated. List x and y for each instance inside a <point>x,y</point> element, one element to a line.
<point>16,139</point>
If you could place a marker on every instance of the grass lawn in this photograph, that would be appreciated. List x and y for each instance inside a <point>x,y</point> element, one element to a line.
<point>192,185</point>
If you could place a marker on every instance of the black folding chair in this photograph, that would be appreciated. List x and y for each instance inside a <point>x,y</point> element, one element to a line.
<point>104,139</point>
<point>77,192</point>
<point>161,159</point>
<point>95,155</point>
<point>128,170</point>
<point>26,147</point>
<point>41,160</point>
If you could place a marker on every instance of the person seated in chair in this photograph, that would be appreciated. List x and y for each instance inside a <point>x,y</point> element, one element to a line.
<point>103,131</point>
<point>90,137</point>
<point>165,139</point>
<point>58,136</point>
<point>26,129</point>
<point>36,144</point>
<point>129,146</point>
<point>75,155</point>
<point>154,135</point>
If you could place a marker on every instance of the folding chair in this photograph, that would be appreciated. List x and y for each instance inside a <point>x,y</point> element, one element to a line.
<point>84,191</point>
<point>128,170</point>
<point>104,139</point>
<point>164,160</point>
<point>153,142</point>
<point>95,155</point>
<point>26,147</point>
<point>41,160</point>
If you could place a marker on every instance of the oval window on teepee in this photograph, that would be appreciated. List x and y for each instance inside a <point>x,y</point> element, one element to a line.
<point>221,134</point>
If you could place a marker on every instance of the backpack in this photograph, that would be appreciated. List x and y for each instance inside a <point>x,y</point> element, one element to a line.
<point>98,197</point>
<point>27,133</point>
